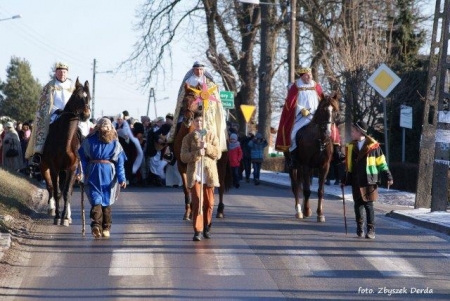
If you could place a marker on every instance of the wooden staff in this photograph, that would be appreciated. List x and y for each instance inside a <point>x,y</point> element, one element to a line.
<point>202,161</point>
<point>80,177</point>
<point>343,204</point>
<point>83,220</point>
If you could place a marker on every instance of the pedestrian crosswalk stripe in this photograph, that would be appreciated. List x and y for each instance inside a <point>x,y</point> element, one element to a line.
<point>389,264</point>
<point>446,254</point>
<point>131,262</point>
<point>227,264</point>
<point>306,263</point>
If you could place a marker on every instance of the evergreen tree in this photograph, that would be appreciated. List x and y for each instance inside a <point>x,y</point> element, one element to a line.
<point>407,38</point>
<point>20,91</point>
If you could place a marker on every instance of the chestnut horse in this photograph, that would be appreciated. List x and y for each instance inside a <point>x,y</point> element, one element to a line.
<point>314,151</point>
<point>60,154</point>
<point>189,107</point>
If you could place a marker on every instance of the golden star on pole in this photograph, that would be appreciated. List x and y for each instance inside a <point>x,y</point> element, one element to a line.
<point>205,94</point>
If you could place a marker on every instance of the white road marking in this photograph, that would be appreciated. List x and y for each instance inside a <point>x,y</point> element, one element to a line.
<point>227,264</point>
<point>131,262</point>
<point>446,254</point>
<point>306,263</point>
<point>390,264</point>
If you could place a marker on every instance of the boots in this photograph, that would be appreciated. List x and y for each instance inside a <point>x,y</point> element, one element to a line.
<point>197,236</point>
<point>370,232</point>
<point>359,229</point>
<point>206,233</point>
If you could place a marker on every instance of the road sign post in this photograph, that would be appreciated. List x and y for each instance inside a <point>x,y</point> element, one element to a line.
<point>384,80</point>
<point>247,111</point>
<point>227,99</point>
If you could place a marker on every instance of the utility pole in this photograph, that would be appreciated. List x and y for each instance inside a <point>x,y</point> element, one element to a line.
<point>292,41</point>
<point>434,160</point>
<point>93,86</point>
<point>151,95</point>
<point>93,89</point>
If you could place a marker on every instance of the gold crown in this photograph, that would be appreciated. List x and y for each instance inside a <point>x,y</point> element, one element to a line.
<point>61,66</point>
<point>304,70</point>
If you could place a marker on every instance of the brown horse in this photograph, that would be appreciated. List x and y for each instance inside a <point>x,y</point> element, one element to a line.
<point>61,151</point>
<point>314,151</point>
<point>189,107</point>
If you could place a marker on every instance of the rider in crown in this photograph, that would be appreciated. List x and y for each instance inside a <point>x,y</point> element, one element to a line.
<point>301,103</point>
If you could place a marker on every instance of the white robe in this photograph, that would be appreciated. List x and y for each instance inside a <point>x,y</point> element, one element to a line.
<point>307,99</point>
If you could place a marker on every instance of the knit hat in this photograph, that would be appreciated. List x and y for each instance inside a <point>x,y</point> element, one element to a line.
<point>198,64</point>
<point>159,119</point>
<point>361,126</point>
<point>145,118</point>
<point>233,137</point>
<point>169,116</point>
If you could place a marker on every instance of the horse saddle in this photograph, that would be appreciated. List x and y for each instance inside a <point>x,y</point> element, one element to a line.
<point>55,115</point>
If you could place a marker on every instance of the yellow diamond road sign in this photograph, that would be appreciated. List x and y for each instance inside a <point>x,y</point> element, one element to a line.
<point>384,80</point>
<point>247,111</point>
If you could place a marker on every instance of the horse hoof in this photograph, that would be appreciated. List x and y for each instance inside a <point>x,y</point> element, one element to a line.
<point>56,221</point>
<point>186,217</point>
<point>51,212</point>
<point>65,222</point>
<point>321,218</point>
<point>299,215</point>
<point>70,220</point>
<point>219,215</point>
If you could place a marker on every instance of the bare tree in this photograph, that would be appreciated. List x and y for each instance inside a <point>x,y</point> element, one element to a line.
<point>231,31</point>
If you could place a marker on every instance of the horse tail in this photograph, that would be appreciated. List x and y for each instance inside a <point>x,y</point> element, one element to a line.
<point>228,183</point>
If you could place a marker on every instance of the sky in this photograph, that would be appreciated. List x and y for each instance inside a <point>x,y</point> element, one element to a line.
<point>77,32</point>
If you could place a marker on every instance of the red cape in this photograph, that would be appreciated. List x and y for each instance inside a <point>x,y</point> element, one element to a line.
<point>283,141</point>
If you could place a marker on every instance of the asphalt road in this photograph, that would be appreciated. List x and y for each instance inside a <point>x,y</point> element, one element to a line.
<point>259,251</point>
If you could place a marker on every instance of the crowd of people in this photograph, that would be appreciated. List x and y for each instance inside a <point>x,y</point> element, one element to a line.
<point>142,152</point>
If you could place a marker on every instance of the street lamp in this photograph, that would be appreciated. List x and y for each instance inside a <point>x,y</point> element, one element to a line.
<point>13,17</point>
<point>93,86</point>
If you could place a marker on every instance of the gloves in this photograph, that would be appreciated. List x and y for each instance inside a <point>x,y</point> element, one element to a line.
<point>305,112</point>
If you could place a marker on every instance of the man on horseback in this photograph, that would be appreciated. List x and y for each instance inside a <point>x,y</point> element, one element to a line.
<point>215,116</point>
<point>301,103</point>
<point>54,97</point>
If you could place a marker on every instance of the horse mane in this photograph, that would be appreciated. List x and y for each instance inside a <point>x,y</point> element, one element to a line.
<point>332,99</point>
<point>79,94</point>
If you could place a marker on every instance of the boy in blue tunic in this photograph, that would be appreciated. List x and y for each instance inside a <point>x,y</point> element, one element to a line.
<point>102,159</point>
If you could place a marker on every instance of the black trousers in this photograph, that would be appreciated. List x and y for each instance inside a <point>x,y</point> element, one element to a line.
<point>101,217</point>
<point>360,207</point>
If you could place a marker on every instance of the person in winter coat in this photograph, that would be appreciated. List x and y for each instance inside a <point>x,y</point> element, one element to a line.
<point>102,159</point>
<point>364,163</point>
<point>247,156</point>
<point>235,157</point>
<point>199,146</point>
<point>257,146</point>
<point>12,151</point>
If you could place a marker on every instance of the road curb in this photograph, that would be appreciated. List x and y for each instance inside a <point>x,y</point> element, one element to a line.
<point>418,222</point>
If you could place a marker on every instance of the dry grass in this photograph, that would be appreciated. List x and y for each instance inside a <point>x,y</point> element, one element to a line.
<point>19,196</point>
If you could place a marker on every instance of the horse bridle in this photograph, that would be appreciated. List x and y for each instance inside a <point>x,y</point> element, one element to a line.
<point>323,128</point>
